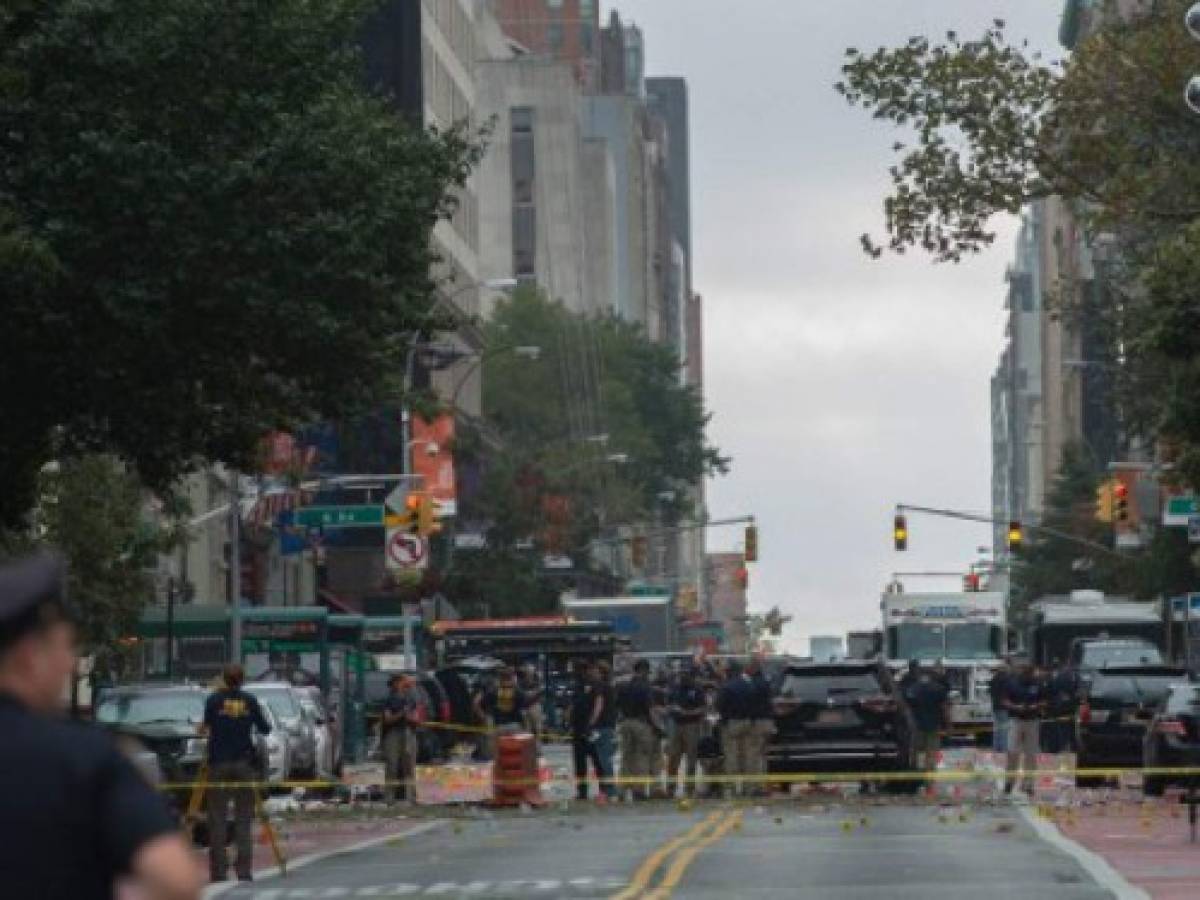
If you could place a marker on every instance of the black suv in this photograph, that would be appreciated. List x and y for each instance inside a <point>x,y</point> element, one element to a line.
<point>838,717</point>
<point>1115,710</point>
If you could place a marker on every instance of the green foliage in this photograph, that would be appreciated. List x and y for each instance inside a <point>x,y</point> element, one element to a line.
<point>993,127</point>
<point>208,229</point>
<point>95,512</point>
<point>546,475</point>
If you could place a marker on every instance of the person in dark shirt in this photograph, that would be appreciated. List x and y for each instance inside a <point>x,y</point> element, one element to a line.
<point>1062,701</point>
<point>762,723</point>
<point>587,707</point>
<point>503,703</point>
<point>687,705</point>
<point>636,734</point>
<point>735,703</point>
<point>230,717</point>
<point>76,816</point>
<point>998,691</point>
<point>1025,701</point>
<point>927,696</point>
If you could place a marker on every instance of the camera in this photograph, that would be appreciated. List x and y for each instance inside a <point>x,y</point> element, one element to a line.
<point>1191,20</point>
<point>1191,94</point>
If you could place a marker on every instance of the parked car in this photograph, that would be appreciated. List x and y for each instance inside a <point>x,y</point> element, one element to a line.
<point>300,732</point>
<point>1115,710</point>
<point>328,730</point>
<point>839,717</point>
<point>1173,738</point>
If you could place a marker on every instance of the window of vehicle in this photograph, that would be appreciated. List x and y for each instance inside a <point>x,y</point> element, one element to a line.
<point>127,708</point>
<point>282,703</point>
<point>917,640</point>
<point>973,640</point>
<point>1103,655</point>
<point>817,687</point>
<point>1184,698</point>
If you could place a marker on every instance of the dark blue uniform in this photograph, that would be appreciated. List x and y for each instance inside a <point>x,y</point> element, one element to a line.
<point>73,810</point>
<point>231,716</point>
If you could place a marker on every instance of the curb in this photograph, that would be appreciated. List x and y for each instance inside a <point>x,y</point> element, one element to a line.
<point>224,887</point>
<point>1093,863</point>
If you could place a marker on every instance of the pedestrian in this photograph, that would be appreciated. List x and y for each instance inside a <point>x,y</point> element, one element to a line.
<point>402,715</point>
<point>502,706</point>
<point>998,691</point>
<point>660,721</point>
<point>587,704</point>
<point>687,706</point>
<point>534,693</point>
<point>762,723</point>
<point>1024,702</point>
<point>76,815</point>
<point>1062,701</point>
<point>736,706</point>
<point>231,716</point>
<point>604,735</point>
<point>635,731</point>
<point>927,698</point>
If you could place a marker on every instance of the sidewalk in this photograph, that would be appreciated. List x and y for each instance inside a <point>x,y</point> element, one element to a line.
<point>1147,843</point>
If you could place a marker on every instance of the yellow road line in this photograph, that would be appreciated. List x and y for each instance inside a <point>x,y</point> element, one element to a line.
<point>645,872</point>
<point>679,865</point>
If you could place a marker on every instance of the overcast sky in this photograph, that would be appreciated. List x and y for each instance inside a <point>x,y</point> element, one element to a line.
<point>840,385</point>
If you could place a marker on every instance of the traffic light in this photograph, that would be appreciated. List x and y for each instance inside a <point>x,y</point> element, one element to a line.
<point>900,532</point>
<point>1105,500</point>
<point>427,522</point>
<point>411,520</point>
<point>637,550</point>
<point>1121,502</point>
<point>1015,535</point>
<point>751,543</point>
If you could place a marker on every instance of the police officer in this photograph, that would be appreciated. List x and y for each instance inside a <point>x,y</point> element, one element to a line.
<point>75,814</point>
<point>402,714</point>
<point>1025,701</point>
<point>230,717</point>
<point>687,707</point>
<point>736,706</point>
<point>636,734</point>
<point>762,723</point>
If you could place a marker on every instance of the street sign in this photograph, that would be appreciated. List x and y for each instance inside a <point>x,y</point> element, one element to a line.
<point>1180,510</point>
<point>1194,530</point>
<point>340,516</point>
<point>404,551</point>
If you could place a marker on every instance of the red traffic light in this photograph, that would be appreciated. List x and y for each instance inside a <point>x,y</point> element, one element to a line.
<point>1121,491</point>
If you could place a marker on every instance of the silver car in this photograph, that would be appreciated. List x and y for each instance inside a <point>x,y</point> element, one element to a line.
<point>328,732</point>
<point>294,725</point>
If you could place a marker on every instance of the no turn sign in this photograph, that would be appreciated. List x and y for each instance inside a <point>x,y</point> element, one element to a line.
<point>405,551</point>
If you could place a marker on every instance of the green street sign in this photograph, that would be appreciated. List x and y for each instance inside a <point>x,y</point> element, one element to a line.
<point>340,516</point>
<point>1180,510</point>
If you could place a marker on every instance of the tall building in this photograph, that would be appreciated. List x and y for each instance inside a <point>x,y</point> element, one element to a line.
<point>557,30</point>
<point>423,56</point>
<point>726,592</point>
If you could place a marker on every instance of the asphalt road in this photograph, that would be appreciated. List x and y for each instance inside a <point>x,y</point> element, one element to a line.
<point>782,849</point>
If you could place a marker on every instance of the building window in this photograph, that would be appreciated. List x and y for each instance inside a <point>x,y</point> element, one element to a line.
<point>524,241</point>
<point>522,119</point>
<point>587,38</point>
<point>555,37</point>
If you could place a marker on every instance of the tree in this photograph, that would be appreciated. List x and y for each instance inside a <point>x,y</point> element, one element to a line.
<point>95,512</point>
<point>598,432</point>
<point>988,127</point>
<point>209,229</point>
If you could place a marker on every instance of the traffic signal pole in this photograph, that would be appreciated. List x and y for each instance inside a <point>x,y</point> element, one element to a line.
<point>988,520</point>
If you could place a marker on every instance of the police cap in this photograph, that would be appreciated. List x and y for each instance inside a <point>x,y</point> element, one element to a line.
<point>32,594</point>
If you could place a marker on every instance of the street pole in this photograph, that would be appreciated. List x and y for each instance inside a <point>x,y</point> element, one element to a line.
<point>235,569</point>
<point>171,591</point>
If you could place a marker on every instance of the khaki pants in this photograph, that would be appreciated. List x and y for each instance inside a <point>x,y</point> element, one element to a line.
<point>927,744</point>
<point>1024,744</point>
<point>638,746</point>
<point>684,745</point>
<point>737,740</point>
<point>218,798</point>
<point>399,763</point>
<point>761,732</point>
<point>535,721</point>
